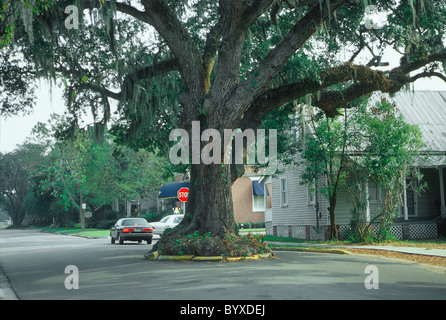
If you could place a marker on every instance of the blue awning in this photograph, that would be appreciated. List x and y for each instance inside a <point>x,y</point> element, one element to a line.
<point>170,190</point>
<point>257,189</point>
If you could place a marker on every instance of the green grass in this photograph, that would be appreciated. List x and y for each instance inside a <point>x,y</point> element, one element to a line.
<point>252,230</point>
<point>289,239</point>
<point>78,231</point>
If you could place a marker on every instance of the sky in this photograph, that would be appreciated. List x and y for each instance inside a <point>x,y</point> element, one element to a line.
<point>15,130</point>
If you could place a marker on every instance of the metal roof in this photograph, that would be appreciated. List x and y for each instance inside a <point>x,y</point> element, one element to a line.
<point>427,110</point>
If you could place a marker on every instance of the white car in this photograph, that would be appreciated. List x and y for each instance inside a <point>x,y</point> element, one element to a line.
<point>168,222</point>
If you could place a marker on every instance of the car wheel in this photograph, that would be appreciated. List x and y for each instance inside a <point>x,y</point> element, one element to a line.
<point>121,240</point>
<point>112,240</point>
<point>149,241</point>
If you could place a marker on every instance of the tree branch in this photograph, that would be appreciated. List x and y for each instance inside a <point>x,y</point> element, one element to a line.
<point>366,80</point>
<point>166,23</point>
<point>235,18</point>
<point>210,51</point>
<point>156,69</point>
<point>276,58</point>
<point>160,16</point>
<point>153,70</point>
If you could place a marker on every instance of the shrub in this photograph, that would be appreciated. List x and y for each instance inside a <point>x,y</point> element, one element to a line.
<point>150,217</point>
<point>208,245</point>
<point>105,224</point>
<point>250,225</point>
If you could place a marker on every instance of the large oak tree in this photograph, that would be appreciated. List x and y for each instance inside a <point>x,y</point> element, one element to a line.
<point>224,63</point>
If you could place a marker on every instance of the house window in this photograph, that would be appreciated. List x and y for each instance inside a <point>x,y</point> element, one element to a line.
<point>283,192</point>
<point>374,192</point>
<point>258,203</point>
<point>258,197</point>
<point>311,193</point>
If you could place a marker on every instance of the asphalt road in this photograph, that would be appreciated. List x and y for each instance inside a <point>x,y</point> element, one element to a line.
<point>35,263</point>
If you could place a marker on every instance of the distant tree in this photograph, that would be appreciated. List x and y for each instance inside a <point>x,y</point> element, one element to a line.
<point>79,169</point>
<point>389,153</point>
<point>325,155</point>
<point>15,168</point>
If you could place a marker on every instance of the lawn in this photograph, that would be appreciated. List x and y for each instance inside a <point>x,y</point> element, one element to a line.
<point>78,231</point>
<point>251,230</point>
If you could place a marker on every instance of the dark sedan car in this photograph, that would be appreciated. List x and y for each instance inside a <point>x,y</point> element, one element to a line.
<point>131,229</point>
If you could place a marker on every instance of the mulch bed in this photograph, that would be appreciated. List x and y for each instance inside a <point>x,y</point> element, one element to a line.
<point>431,260</point>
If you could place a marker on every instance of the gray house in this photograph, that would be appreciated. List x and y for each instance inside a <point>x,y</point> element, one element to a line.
<point>298,211</point>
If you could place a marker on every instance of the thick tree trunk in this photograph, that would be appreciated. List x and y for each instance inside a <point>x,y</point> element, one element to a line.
<point>209,227</point>
<point>210,201</point>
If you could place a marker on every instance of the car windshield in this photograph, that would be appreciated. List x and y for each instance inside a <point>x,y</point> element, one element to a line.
<point>134,222</point>
<point>164,219</point>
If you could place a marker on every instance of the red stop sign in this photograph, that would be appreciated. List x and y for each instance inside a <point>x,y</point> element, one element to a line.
<point>182,194</point>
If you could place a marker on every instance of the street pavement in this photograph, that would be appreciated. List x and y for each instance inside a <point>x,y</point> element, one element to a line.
<point>34,264</point>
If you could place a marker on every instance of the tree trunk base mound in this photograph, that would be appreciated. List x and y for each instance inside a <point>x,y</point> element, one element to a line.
<point>230,246</point>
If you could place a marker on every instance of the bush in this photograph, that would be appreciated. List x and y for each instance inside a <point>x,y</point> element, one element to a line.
<point>110,214</point>
<point>259,225</point>
<point>250,225</point>
<point>207,245</point>
<point>150,217</point>
<point>105,224</point>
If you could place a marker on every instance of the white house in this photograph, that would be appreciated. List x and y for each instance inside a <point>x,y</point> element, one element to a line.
<point>298,212</point>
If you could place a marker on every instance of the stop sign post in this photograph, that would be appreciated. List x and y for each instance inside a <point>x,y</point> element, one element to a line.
<point>182,195</point>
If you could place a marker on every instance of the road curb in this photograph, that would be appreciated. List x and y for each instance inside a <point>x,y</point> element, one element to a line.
<point>155,256</point>
<point>6,292</point>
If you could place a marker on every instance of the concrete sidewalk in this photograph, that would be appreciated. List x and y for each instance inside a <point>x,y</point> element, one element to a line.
<point>410,250</point>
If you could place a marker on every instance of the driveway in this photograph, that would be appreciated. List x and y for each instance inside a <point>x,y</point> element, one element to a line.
<point>35,264</point>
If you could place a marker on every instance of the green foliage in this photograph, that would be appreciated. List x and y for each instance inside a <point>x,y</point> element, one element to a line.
<point>389,150</point>
<point>76,167</point>
<point>15,185</point>
<point>100,173</point>
<point>111,51</point>
<point>106,224</point>
<point>249,225</point>
<point>325,152</point>
<point>12,11</point>
<point>151,217</point>
<point>209,245</point>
